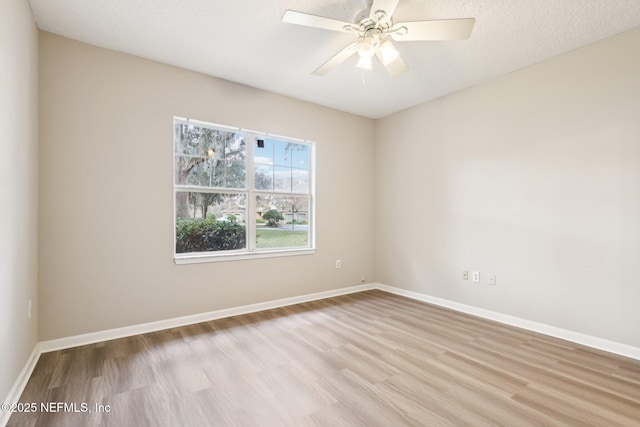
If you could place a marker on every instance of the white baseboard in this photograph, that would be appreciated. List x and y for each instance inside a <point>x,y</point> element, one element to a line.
<point>127,331</point>
<point>90,338</point>
<point>579,338</point>
<point>576,337</point>
<point>21,383</point>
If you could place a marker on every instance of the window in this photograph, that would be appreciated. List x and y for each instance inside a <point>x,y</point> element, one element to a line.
<point>240,193</point>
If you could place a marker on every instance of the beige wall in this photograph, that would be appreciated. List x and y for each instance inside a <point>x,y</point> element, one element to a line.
<point>534,177</point>
<point>106,192</point>
<point>18,188</point>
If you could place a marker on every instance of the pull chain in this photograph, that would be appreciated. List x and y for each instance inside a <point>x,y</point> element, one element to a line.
<point>363,82</point>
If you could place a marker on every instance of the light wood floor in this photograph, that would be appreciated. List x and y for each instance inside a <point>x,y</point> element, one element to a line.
<point>370,359</point>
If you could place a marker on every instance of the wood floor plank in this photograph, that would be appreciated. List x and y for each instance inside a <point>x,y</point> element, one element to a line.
<point>365,359</point>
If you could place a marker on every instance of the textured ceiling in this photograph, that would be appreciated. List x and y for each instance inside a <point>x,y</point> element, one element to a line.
<point>244,41</point>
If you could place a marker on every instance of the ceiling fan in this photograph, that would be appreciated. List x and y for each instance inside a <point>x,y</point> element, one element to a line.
<point>374,27</point>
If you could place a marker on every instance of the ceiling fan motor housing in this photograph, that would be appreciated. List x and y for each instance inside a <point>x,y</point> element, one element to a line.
<point>364,22</point>
<point>363,18</point>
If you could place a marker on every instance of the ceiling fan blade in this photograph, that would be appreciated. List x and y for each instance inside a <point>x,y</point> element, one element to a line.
<point>340,57</point>
<point>441,29</point>
<point>386,6</point>
<point>395,68</point>
<point>299,18</point>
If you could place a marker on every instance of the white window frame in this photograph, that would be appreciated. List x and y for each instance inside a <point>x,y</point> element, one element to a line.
<point>251,252</point>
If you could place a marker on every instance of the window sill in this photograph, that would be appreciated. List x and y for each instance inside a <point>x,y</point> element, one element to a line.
<point>200,258</point>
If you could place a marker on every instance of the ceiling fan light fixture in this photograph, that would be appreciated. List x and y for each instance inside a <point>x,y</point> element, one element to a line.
<point>364,62</point>
<point>367,47</point>
<point>388,52</point>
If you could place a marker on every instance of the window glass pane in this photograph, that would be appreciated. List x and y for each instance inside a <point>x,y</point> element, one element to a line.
<point>300,180</point>
<point>214,175</point>
<point>229,161</point>
<point>282,221</point>
<point>235,174</point>
<point>187,140</point>
<point>300,156</point>
<point>263,152</point>
<point>264,177</point>
<point>282,153</point>
<point>190,170</point>
<point>282,179</point>
<point>208,222</point>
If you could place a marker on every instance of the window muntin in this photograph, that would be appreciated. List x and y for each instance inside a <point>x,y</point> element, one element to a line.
<point>219,207</point>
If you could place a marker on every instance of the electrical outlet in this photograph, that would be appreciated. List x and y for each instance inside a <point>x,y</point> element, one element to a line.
<point>492,279</point>
<point>465,275</point>
<point>30,309</point>
<point>475,275</point>
<point>338,263</point>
